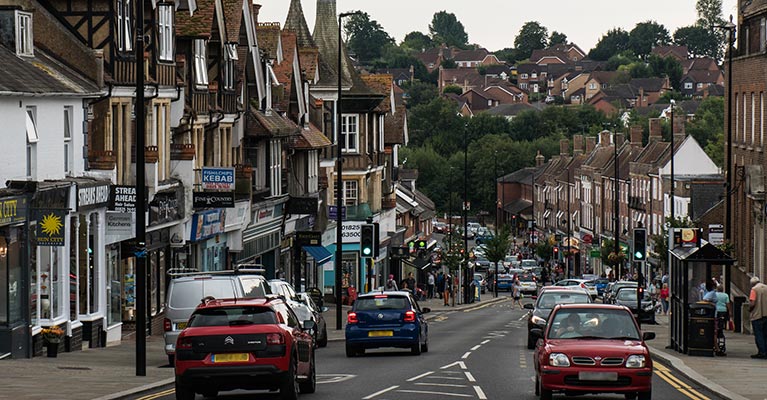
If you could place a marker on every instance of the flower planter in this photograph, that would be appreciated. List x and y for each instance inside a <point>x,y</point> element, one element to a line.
<point>53,349</point>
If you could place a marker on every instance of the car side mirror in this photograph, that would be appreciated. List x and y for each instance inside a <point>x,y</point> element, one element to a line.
<point>529,306</point>
<point>425,310</point>
<point>648,335</point>
<point>536,333</point>
<point>309,325</point>
<point>323,309</point>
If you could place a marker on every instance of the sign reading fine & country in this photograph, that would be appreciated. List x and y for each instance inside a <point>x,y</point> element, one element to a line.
<point>217,178</point>
<point>50,227</point>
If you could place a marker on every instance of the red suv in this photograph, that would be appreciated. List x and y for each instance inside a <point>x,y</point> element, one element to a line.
<point>245,344</point>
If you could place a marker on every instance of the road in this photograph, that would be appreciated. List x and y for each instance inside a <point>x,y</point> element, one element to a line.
<point>477,354</point>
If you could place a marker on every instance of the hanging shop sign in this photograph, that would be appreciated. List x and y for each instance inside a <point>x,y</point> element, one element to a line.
<point>13,210</point>
<point>206,224</point>
<point>123,198</point>
<point>213,199</point>
<point>217,178</point>
<point>50,227</point>
<point>91,196</point>
<point>166,207</point>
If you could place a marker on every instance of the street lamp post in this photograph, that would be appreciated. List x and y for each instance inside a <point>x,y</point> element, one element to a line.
<point>465,207</point>
<point>616,205</point>
<point>339,184</point>
<point>673,195</point>
<point>141,275</point>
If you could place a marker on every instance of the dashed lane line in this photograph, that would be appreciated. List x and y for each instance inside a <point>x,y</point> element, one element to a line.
<point>480,393</point>
<point>415,378</point>
<point>380,392</point>
<point>475,347</point>
<point>431,392</point>
<point>458,363</point>
<point>486,341</point>
<point>440,384</point>
<point>465,355</point>
<point>469,376</point>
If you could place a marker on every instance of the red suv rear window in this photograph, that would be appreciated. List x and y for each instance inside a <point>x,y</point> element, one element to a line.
<point>226,316</point>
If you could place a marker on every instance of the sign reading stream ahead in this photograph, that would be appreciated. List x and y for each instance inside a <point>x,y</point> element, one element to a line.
<point>217,178</point>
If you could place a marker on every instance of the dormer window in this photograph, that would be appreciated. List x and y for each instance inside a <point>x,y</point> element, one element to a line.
<point>200,63</point>
<point>24,43</point>
<point>124,26</point>
<point>165,31</point>
<point>230,55</point>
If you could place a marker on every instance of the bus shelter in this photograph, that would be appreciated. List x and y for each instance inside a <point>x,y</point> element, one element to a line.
<point>690,266</point>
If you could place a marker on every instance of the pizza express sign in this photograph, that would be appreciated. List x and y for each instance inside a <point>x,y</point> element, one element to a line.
<point>92,196</point>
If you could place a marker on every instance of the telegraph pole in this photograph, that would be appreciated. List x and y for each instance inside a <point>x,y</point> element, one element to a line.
<point>141,300</point>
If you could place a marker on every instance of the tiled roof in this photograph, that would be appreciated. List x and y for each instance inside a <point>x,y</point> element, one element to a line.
<point>753,7</point>
<point>199,24</point>
<point>519,176</point>
<point>311,138</point>
<point>624,91</point>
<point>284,70</point>
<point>269,36</point>
<point>233,19</point>
<point>703,63</point>
<point>271,124</point>
<point>395,125</point>
<point>381,84</point>
<point>41,74</point>
<point>603,76</point>
<point>713,90</point>
<point>296,22</point>
<point>648,84</point>
<point>539,54</point>
<point>510,110</point>
<point>664,51</point>
<point>470,55</point>
<point>703,76</point>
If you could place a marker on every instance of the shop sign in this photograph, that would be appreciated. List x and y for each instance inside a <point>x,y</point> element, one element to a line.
<point>302,205</point>
<point>207,224</point>
<point>119,227</point>
<point>166,207</point>
<point>263,214</point>
<point>123,198</point>
<point>213,199</point>
<point>351,231</point>
<point>716,234</point>
<point>308,238</point>
<point>90,197</point>
<point>13,210</point>
<point>217,178</point>
<point>50,227</point>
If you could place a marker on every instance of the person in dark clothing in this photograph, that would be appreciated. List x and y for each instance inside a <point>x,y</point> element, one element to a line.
<point>411,282</point>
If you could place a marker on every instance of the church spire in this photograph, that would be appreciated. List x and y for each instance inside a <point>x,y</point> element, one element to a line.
<point>296,22</point>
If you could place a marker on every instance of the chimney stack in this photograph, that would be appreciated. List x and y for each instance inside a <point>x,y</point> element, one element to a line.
<point>577,145</point>
<point>636,135</point>
<point>564,147</point>
<point>604,138</point>
<point>591,143</point>
<point>539,159</point>
<point>655,130</point>
<point>619,138</point>
<point>679,128</point>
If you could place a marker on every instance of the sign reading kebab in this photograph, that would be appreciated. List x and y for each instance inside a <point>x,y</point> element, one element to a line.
<point>216,178</point>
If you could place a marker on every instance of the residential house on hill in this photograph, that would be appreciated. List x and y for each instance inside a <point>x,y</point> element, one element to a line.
<point>597,81</point>
<point>680,53</point>
<point>697,80</point>
<point>473,58</point>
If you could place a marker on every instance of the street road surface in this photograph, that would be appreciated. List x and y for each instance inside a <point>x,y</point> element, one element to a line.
<point>478,354</point>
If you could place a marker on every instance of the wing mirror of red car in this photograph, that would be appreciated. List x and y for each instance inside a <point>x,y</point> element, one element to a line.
<point>648,335</point>
<point>309,325</point>
<point>529,306</point>
<point>536,333</point>
<point>425,310</point>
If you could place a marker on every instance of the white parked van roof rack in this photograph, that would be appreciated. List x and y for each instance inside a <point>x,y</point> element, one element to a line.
<point>239,269</point>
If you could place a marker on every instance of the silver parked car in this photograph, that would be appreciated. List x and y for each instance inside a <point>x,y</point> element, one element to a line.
<point>188,289</point>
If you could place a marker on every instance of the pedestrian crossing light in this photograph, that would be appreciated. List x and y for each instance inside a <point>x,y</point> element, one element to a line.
<point>367,240</point>
<point>640,244</point>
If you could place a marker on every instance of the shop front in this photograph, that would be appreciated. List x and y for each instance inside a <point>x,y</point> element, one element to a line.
<point>208,240</point>
<point>14,323</point>
<point>261,240</point>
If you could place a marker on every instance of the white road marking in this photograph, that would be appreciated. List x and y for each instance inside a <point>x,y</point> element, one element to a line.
<point>333,378</point>
<point>452,372</point>
<point>437,393</point>
<point>415,378</point>
<point>465,355</point>
<point>485,341</point>
<point>522,318</point>
<point>476,347</point>
<point>440,384</point>
<point>459,363</point>
<point>480,393</point>
<point>444,377</point>
<point>469,376</point>
<point>380,392</point>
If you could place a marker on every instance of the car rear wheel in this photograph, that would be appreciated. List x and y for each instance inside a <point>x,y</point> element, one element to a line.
<point>645,395</point>
<point>172,360</point>
<point>416,348</point>
<point>425,347</point>
<point>351,351</point>
<point>310,384</point>
<point>530,342</point>
<point>183,392</point>
<point>210,394</point>
<point>323,342</point>
<point>289,388</point>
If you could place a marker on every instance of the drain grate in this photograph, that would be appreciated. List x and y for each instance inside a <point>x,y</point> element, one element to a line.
<point>77,368</point>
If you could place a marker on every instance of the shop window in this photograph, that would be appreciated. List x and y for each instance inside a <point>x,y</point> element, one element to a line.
<point>73,271</point>
<point>87,256</point>
<point>114,286</point>
<point>49,269</point>
<point>3,279</point>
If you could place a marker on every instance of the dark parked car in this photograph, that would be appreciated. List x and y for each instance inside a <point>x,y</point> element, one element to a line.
<point>538,315</point>
<point>627,296</point>
<point>612,289</point>
<point>386,319</point>
<point>322,327</point>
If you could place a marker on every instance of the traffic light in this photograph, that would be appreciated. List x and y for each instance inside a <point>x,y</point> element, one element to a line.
<point>640,244</point>
<point>556,253</point>
<point>367,240</point>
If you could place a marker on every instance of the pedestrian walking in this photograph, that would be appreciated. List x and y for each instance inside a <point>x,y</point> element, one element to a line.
<point>440,284</point>
<point>516,293</point>
<point>448,288</point>
<point>757,300</point>
<point>391,284</point>
<point>664,293</point>
<point>430,285</point>
<point>411,283</point>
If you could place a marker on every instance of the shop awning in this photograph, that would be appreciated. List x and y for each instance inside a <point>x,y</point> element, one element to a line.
<point>320,254</point>
<point>419,263</point>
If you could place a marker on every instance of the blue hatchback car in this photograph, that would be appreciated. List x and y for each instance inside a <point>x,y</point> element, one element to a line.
<point>386,319</point>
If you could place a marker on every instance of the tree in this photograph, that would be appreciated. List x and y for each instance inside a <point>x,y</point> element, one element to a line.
<point>700,41</point>
<point>508,55</point>
<point>608,255</point>
<point>420,93</point>
<point>417,41</point>
<point>709,16</point>
<point>445,28</point>
<point>366,38</point>
<point>615,41</point>
<point>660,242</point>
<point>498,247</point>
<point>436,124</point>
<point>455,89</point>
<point>668,66</point>
<point>544,249</point>
<point>532,36</point>
<point>708,122</point>
<point>647,35</point>
<point>557,38</point>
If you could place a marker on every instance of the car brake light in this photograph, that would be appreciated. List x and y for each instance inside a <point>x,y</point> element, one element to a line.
<point>351,318</point>
<point>166,325</point>
<point>410,316</point>
<point>583,285</point>
<point>184,344</point>
<point>274,338</point>
<point>380,296</point>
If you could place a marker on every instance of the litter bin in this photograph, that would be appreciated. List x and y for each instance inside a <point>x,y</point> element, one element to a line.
<point>737,314</point>
<point>701,335</point>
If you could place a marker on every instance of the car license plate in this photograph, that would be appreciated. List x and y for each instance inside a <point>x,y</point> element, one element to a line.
<point>181,326</point>
<point>230,357</point>
<point>380,333</point>
<point>598,376</point>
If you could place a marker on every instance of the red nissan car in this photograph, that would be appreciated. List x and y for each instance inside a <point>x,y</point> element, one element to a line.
<point>245,344</point>
<point>592,348</point>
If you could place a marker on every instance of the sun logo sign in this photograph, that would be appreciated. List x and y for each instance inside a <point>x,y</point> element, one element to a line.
<point>50,229</point>
<point>51,225</point>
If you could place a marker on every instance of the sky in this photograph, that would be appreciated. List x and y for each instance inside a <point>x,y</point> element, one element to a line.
<point>494,24</point>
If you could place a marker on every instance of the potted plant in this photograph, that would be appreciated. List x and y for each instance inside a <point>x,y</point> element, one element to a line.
<point>52,336</point>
